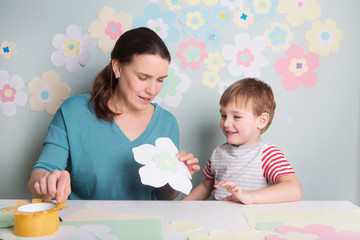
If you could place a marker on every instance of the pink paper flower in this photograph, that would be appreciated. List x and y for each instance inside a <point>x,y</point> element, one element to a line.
<point>297,67</point>
<point>114,30</point>
<point>323,232</point>
<point>192,53</point>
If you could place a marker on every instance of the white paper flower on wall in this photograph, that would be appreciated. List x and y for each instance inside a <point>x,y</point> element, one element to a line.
<point>174,85</point>
<point>72,49</point>
<point>48,92</point>
<point>246,55</point>
<point>162,166</point>
<point>109,27</point>
<point>11,94</point>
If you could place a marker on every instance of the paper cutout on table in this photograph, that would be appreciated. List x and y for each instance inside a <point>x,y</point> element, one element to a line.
<point>11,94</point>
<point>292,236</point>
<point>183,227</point>
<point>6,220</point>
<point>268,226</point>
<point>138,229</point>
<point>321,232</point>
<point>48,92</point>
<point>97,215</point>
<point>73,49</point>
<point>229,234</point>
<point>162,166</point>
<point>341,221</point>
<point>109,27</point>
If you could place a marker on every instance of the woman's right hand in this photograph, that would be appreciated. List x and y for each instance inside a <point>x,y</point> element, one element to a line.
<point>54,184</point>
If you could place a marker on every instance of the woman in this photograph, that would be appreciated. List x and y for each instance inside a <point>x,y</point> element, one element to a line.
<point>87,152</point>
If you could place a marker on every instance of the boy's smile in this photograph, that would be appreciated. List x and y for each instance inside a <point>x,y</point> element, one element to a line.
<point>239,125</point>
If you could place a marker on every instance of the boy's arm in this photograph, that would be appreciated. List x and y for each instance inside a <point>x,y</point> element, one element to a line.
<point>287,189</point>
<point>201,191</point>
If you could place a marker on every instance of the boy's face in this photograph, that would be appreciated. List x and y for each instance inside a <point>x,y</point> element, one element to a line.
<point>239,124</point>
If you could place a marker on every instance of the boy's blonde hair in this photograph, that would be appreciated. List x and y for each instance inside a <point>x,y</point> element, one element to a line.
<point>251,91</point>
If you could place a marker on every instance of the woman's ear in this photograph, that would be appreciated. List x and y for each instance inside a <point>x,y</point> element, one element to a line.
<point>262,120</point>
<point>116,66</point>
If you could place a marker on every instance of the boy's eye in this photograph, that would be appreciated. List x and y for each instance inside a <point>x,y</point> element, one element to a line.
<point>237,117</point>
<point>223,116</point>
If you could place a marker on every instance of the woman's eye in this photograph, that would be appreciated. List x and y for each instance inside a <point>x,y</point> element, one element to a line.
<point>237,117</point>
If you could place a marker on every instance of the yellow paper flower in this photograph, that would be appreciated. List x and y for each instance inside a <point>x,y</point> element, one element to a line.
<point>298,10</point>
<point>109,27</point>
<point>7,49</point>
<point>206,2</point>
<point>71,47</point>
<point>174,5</point>
<point>210,79</point>
<point>278,37</point>
<point>324,37</point>
<point>214,62</point>
<point>48,92</point>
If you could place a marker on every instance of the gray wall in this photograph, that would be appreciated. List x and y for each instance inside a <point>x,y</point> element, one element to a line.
<point>316,127</point>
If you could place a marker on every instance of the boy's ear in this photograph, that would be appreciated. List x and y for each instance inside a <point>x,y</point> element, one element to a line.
<point>262,120</point>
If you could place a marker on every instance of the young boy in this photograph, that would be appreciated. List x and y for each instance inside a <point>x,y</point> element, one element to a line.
<point>245,169</point>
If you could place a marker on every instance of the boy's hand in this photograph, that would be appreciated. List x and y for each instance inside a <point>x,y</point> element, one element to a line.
<point>190,161</point>
<point>237,195</point>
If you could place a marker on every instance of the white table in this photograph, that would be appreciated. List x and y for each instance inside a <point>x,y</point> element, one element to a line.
<point>211,215</point>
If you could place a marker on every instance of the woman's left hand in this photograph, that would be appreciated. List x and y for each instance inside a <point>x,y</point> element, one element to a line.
<point>190,161</point>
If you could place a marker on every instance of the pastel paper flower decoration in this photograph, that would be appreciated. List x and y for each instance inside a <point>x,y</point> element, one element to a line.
<point>214,62</point>
<point>298,10</point>
<point>210,78</point>
<point>263,8</point>
<point>278,37</point>
<point>324,37</point>
<point>246,55</point>
<point>192,53</point>
<point>223,85</point>
<point>73,49</point>
<point>175,84</point>
<point>7,49</point>
<point>174,4</point>
<point>297,68</point>
<point>243,18</point>
<point>48,92</point>
<point>220,15</point>
<point>212,37</point>
<point>11,94</point>
<point>195,21</point>
<point>209,3</point>
<point>322,232</point>
<point>109,27</point>
<point>232,5</point>
<point>160,22</point>
<point>161,166</point>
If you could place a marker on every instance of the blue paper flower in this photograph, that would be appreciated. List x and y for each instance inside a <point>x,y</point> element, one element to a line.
<point>262,8</point>
<point>221,15</point>
<point>212,37</point>
<point>160,22</point>
<point>195,21</point>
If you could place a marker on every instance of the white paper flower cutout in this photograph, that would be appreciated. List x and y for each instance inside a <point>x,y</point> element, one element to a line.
<point>11,94</point>
<point>48,92</point>
<point>174,85</point>
<point>162,166</point>
<point>246,55</point>
<point>72,49</point>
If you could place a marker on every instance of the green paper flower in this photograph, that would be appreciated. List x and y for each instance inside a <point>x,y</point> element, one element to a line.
<point>165,162</point>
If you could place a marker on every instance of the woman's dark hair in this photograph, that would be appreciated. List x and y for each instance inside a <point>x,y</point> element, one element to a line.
<point>133,42</point>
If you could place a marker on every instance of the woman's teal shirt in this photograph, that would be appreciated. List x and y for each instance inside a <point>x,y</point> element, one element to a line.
<point>97,153</point>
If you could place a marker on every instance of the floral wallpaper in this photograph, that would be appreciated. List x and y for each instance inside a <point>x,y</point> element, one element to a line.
<point>197,36</point>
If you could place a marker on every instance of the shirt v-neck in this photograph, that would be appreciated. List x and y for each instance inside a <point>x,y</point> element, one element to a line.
<point>140,139</point>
